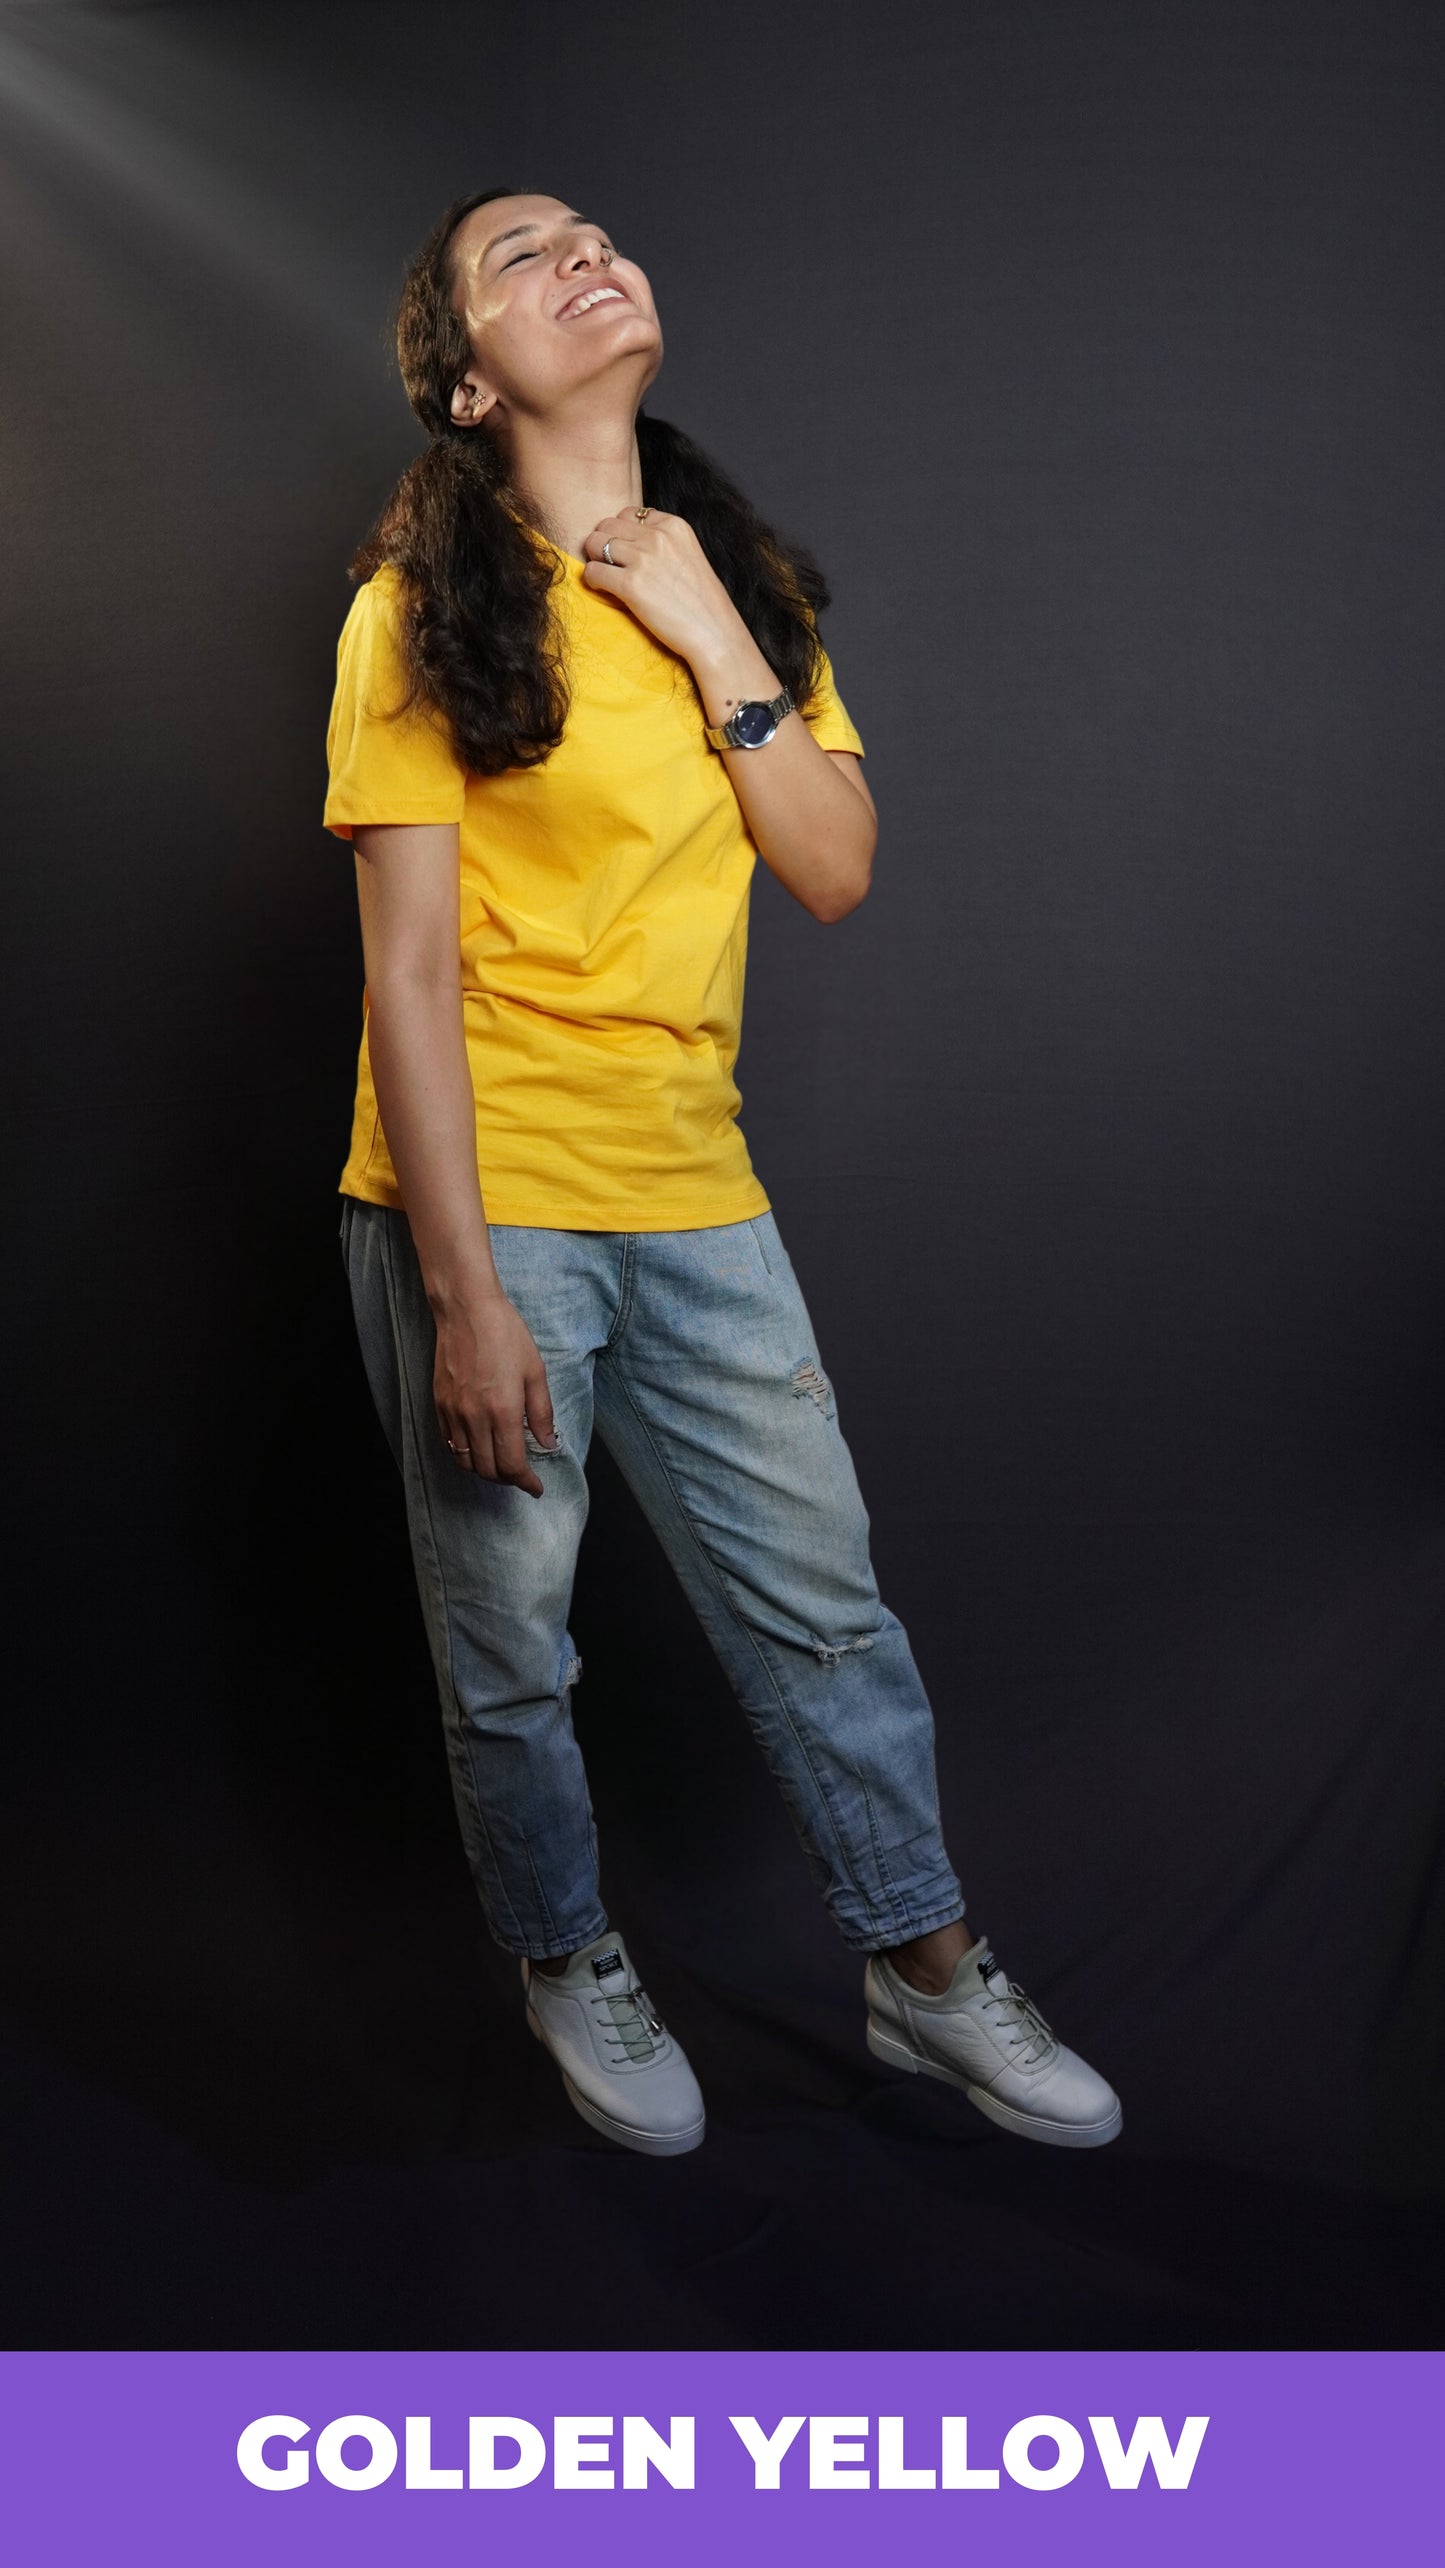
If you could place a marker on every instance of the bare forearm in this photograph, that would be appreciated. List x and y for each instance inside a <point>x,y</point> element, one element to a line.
<point>809,825</point>
<point>424,1091</point>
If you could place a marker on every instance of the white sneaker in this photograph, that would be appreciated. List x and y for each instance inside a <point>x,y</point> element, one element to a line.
<point>985,2036</point>
<point>621,2068</point>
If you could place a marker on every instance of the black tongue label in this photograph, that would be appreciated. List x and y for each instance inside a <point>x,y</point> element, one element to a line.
<point>604,1964</point>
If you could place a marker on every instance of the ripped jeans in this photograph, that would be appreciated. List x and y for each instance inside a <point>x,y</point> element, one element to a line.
<point>693,1352</point>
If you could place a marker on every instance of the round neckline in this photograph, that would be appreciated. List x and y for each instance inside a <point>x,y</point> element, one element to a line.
<point>573,563</point>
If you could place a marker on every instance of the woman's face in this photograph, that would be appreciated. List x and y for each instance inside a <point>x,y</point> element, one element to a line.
<point>524,268</point>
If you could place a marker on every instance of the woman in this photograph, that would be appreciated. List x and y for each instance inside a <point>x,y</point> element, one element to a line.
<point>579,691</point>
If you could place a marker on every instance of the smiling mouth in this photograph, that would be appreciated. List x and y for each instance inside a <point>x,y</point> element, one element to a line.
<point>588,302</point>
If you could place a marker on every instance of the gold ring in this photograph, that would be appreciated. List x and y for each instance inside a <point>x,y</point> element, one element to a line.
<point>640,513</point>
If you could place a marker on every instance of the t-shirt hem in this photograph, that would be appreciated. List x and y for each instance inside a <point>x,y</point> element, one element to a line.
<point>342,824</point>
<point>519,1211</point>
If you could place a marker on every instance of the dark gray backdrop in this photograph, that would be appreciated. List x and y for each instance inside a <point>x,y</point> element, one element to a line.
<point>1096,350</point>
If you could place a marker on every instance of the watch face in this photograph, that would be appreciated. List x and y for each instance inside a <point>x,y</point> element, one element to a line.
<point>753,724</point>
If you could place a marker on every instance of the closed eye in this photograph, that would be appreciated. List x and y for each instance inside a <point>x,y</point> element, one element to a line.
<point>518,255</point>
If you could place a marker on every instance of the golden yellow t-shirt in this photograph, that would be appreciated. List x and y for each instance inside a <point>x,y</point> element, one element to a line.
<point>604,911</point>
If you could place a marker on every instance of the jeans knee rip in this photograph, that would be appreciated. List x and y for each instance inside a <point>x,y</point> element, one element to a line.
<point>831,1652</point>
<point>809,1384</point>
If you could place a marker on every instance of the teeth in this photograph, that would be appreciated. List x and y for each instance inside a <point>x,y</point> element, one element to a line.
<point>601,294</point>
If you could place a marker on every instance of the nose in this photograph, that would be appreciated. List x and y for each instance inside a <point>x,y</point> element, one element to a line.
<point>588,250</point>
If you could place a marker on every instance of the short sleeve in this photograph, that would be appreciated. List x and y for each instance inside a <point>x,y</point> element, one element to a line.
<point>825,713</point>
<point>384,766</point>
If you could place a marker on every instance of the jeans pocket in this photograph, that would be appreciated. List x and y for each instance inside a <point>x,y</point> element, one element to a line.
<point>762,1244</point>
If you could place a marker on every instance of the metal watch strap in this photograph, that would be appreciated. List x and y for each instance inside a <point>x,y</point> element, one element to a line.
<point>719,733</point>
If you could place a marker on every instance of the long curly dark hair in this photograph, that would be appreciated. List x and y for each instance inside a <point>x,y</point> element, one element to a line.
<point>479,639</point>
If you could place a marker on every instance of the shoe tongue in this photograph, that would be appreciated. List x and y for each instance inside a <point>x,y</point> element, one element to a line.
<point>632,2013</point>
<point>989,1969</point>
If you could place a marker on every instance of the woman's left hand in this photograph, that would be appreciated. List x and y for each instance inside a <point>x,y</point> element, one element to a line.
<point>659,570</point>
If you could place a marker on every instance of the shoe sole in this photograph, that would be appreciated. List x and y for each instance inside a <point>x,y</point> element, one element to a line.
<point>651,2144</point>
<point>1025,2126</point>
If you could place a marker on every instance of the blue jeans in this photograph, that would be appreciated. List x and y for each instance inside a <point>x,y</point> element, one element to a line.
<point>693,1353</point>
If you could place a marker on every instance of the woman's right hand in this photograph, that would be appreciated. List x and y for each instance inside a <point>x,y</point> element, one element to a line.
<point>489,1377</point>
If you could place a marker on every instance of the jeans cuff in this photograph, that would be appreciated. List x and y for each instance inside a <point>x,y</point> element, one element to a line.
<point>542,1947</point>
<point>881,1934</point>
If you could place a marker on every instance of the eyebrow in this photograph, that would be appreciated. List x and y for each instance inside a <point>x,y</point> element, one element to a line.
<point>518,229</point>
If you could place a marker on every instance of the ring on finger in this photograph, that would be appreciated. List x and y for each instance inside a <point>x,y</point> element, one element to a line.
<point>607,556</point>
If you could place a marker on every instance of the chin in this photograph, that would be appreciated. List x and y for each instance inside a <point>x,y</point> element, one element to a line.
<point>635,346</point>
<point>637,329</point>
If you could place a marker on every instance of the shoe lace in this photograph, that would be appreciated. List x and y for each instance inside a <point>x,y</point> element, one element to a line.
<point>1023,2025</point>
<point>629,2021</point>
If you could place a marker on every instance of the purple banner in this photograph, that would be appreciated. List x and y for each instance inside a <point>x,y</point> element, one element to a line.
<point>635,2458</point>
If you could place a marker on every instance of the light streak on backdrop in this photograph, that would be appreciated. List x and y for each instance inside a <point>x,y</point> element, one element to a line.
<point>126,103</point>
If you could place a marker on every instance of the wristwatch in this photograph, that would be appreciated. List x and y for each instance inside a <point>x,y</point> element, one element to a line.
<point>752,725</point>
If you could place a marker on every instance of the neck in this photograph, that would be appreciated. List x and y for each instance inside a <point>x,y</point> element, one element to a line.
<point>574,468</point>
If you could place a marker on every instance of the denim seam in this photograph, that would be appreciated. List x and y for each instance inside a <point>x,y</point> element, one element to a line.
<point>458,1720</point>
<point>891,1893</point>
<point>624,1290</point>
<point>743,1625</point>
<point>543,1903</point>
<point>890,1887</point>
